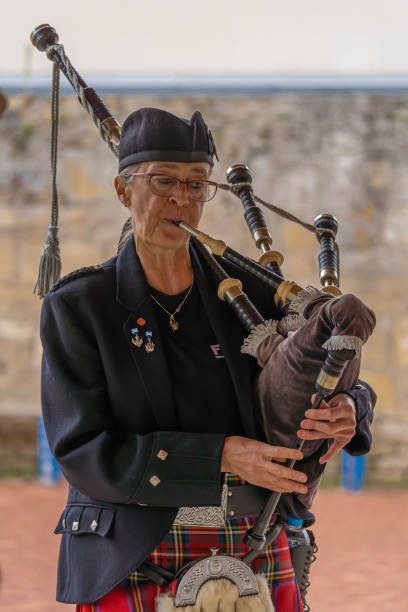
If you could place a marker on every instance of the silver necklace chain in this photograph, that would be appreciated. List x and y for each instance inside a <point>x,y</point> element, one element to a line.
<point>172,321</point>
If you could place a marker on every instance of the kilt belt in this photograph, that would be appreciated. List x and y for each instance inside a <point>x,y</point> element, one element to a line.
<point>237,501</point>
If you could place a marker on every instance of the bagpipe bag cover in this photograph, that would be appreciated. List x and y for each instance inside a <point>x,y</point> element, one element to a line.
<point>290,367</point>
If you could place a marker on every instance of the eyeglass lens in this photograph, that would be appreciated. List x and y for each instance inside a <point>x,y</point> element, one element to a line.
<point>202,191</point>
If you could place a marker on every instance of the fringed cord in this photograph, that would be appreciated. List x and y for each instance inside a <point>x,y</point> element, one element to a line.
<point>257,336</point>
<point>272,207</point>
<point>303,299</point>
<point>290,323</point>
<point>50,263</point>
<point>338,343</point>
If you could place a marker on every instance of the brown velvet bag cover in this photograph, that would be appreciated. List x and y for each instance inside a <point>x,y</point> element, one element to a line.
<point>291,366</point>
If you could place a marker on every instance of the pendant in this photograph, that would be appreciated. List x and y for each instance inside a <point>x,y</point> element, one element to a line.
<point>173,323</point>
<point>149,346</point>
<point>136,339</point>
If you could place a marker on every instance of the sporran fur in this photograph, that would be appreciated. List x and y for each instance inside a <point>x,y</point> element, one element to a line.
<point>221,595</point>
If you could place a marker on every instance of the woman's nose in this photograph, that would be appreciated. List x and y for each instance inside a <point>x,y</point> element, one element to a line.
<point>181,197</point>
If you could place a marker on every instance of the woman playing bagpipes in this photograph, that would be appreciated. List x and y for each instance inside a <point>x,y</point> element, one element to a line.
<point>148,402</point>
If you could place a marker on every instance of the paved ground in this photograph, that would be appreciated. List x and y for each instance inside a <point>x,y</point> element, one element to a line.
<point>362,564</point>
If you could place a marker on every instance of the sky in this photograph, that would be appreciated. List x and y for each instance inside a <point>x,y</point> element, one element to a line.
<point>198,37</point>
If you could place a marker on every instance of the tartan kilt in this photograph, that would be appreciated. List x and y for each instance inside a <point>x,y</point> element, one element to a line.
<point>184,544</point>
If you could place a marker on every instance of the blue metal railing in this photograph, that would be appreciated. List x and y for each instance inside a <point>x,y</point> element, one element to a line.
<point>353,471</point>
<point>214,85</point>
<point>49,472</point>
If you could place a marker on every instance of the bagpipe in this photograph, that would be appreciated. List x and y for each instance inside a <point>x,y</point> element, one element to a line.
<point>314,347</point>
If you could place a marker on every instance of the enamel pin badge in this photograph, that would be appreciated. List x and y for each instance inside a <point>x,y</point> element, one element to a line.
<point>137,336</point>
<point>136,339</point>
<point>149,346</point>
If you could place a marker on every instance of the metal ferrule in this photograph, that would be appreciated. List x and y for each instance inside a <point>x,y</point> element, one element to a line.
<point>113,129</point>
<point>263,239</point>
<point>329,276</point>
<point>327,382</point>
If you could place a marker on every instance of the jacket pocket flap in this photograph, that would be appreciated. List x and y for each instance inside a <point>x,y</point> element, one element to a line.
<point>80,520</point>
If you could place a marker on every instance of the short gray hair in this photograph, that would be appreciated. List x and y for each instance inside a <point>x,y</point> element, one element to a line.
<point>126,172</point>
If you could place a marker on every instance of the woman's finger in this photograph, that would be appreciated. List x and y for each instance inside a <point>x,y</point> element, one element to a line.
<point>281,452</point>
<point>331,413</point>
<point>330,428</point>
<point>283,485</point>
<point>332,451</point>
<point>275,469</point>
<point>312,435</point>
<point>344,434</point>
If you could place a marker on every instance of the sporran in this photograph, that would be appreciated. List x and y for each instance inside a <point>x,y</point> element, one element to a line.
<point>217,583</point>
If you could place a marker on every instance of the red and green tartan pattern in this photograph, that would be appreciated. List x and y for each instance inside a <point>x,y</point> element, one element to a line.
<point>185,544</point>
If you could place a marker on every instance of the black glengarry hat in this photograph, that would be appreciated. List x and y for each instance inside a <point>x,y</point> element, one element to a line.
<point>152,134</point>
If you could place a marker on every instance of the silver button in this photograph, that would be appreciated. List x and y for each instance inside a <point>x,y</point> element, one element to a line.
<point>94,525</point>
<point>75,526</point>
<point>229,493</point>
<point>231,513</point>
<point>154,480</point>
<point>162,454</point>
<point>64,523</point>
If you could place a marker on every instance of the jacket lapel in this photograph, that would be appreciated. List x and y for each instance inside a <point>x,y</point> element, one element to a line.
<point>133,294</point>
<point>230,335</point>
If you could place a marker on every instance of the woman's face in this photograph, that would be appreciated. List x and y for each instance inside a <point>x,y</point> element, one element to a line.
<point>152,214</point>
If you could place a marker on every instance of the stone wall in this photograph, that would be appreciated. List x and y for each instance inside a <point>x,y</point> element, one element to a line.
<point>345,154</point>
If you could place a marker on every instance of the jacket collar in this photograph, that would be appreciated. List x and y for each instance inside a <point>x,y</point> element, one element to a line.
<point>131,285</point>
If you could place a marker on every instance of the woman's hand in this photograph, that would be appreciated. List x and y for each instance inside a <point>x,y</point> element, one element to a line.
<point>254,462</point>
<point>334,419</point>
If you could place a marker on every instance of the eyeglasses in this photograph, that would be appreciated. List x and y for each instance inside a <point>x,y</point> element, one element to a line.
<point>165,185</point>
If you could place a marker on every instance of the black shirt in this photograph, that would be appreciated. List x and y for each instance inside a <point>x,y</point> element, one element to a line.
<point>194,354</point>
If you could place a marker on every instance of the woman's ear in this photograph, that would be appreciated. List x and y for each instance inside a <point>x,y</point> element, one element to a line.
<point>120,186</point>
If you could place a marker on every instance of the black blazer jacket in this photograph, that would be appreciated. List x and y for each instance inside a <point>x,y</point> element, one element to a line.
<point>108,412</point>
